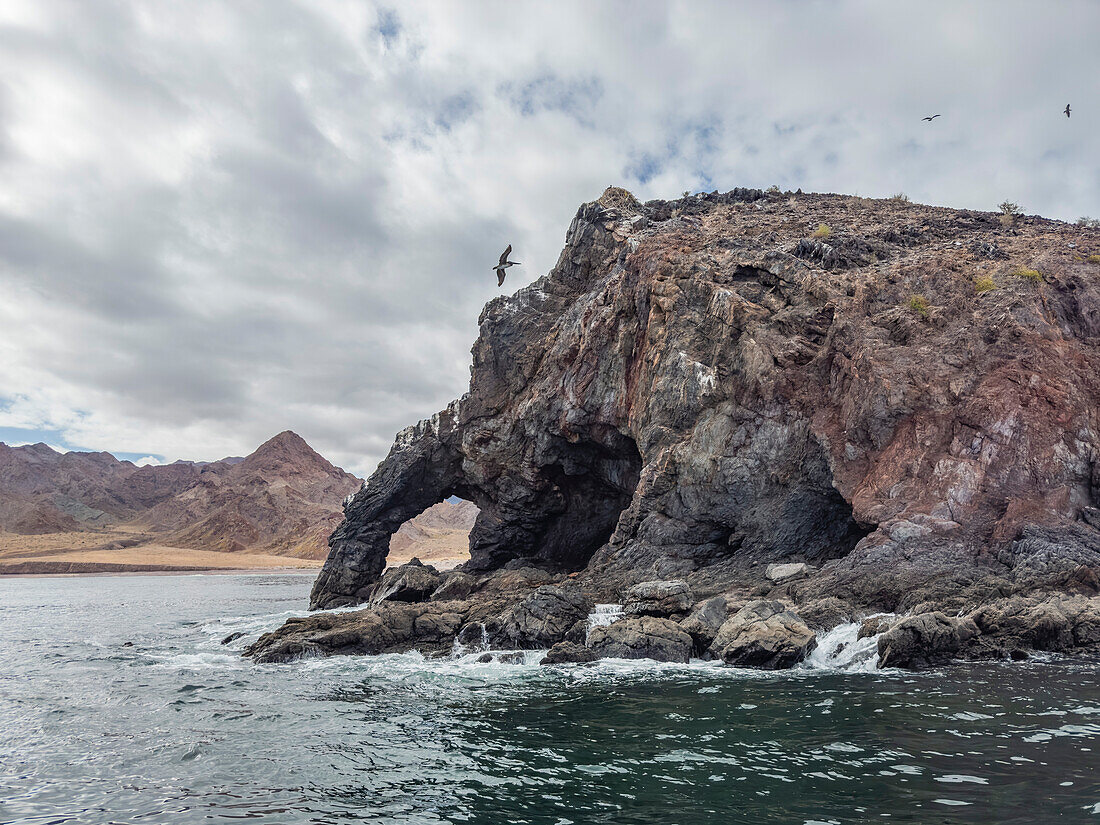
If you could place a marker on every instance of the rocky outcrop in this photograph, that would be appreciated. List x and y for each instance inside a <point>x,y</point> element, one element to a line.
<point>699,391</point>
<point>763,634</point>
<point>641,637</point>
<point>542,619</point>
<point>704,621</point>
<point>924,640</point>
<point>568,653</point>
<point>412,582</point>
<point>657,598</point>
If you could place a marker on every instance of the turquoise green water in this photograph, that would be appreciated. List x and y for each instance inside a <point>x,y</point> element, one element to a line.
<point>178,729</point>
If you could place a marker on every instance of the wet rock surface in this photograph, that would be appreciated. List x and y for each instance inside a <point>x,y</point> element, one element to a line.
<point>412,582</point>
<point>698,391</point>
<point>542,619</point>
<point>568,652</point>
<point>641,637</point>
<point>763,634</point>
<point>657,598</point>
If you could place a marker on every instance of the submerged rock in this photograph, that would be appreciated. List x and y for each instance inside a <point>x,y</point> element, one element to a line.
<point>641,637</point>
<point>763,634</point>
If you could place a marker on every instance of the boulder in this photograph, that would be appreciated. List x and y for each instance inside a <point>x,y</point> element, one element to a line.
<point>703,622</point>
<point>763,634</point>
<point>657,598</point>
<point>782,572</point>
<point>925,640</point>
<point>641,637</point>
<point>566,652</point>
<point>455,585</point>
<point>412,582</point>
<point>544,618</point>
<point>873,626</point>
<point>825,614</point>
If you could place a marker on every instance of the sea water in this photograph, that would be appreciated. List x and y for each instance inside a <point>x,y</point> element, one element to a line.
<point>178,728</point>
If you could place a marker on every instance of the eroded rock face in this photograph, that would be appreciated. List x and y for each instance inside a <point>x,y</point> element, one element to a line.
<point>658,598</point>
<point>641,637</point>
<point>568,653</point>
<point>704,621</point>
<point>542,619</point>
<point>697,388</point>
<point>412,582</point>
<point>763,634</point>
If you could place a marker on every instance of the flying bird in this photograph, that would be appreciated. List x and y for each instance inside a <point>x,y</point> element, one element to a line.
<point>933,117</point>
<point>1067,110</point>
<point>504,264</point>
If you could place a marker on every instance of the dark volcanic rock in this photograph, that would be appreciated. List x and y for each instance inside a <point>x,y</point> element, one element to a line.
<point>657,598</point>
<point>696,387</point>
<point>924,640</point>
<point>694,392</point>
<point>642,637</point>
<point>455,585</point>
<point>567,652</point>
<point>703,622</point>
<point>412,582</point>
<point>763,634</point>
<point>542,619</point>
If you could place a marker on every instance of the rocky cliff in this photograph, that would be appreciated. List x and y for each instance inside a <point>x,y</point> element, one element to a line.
<point>904,396</point>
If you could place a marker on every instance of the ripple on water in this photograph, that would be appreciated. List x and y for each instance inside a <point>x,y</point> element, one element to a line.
<point>181,729</point>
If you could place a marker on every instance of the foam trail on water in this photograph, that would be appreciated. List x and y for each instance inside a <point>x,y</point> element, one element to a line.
<point>842,649</point>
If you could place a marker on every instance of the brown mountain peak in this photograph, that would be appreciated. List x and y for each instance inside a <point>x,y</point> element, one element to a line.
<point>287,449</point>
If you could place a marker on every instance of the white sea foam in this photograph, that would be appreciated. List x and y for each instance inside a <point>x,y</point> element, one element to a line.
<point>842,649</point>
<point>603,615</point>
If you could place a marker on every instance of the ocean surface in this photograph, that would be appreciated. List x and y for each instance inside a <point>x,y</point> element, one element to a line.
<point>179,729</point>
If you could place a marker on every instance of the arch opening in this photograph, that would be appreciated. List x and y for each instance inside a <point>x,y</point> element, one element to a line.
<point>439,535</point>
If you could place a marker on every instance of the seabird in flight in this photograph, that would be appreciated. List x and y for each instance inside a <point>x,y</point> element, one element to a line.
<point>1067,110</point>
<point>504,264</point>
<point>933,117</point>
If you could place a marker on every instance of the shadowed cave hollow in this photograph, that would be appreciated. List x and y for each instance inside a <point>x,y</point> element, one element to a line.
<point>557,521</point>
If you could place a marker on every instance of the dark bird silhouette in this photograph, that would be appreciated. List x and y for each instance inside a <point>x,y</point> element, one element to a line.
<point>933,117</point>
<point>1067,110</point>
<point>504,264</point>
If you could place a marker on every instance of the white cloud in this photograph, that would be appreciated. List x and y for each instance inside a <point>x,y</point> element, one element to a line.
<point>221,220</point>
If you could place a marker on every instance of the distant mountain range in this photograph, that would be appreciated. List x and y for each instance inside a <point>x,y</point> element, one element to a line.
<point>283,499</point>
<point>88,511</point>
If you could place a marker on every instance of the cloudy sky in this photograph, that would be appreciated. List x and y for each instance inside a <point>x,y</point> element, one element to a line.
<point>219,220</point>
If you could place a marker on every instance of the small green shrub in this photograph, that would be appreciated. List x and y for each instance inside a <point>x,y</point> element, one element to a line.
<point>900,197</point>
<point>984,283</point>
<point>1094,259</point>
<point>1009,208</point>
<point>773,190</point>
<point>919,304</point>
<point>822,232</point>
<point>1032,275</point>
